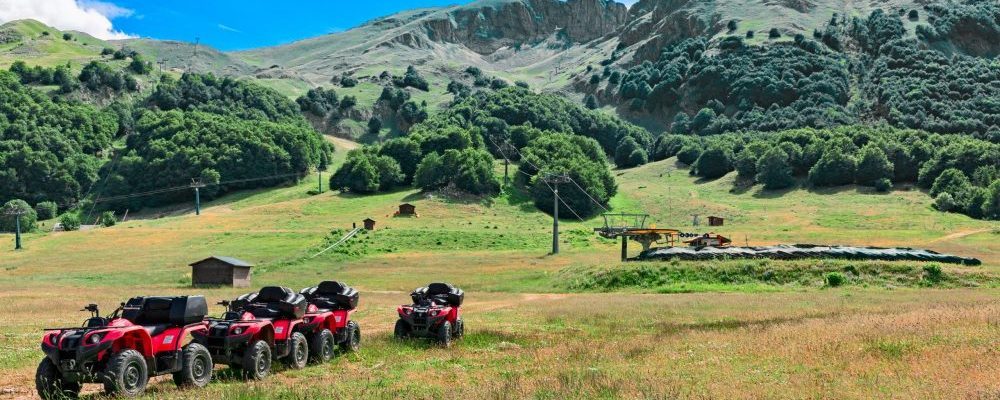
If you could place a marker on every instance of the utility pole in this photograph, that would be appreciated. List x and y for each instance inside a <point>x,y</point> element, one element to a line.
<point>196,184</point>
<point>554,180</point>
<point>16,213</point>
<point>506,148</point>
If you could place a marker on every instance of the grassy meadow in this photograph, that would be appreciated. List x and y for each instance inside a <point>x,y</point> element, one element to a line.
<point>580,324</point>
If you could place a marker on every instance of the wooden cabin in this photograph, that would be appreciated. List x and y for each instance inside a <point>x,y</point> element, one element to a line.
<point>221,271</point>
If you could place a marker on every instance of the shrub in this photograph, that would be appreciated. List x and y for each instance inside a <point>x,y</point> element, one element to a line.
<point>774,33</point>
<point>70,222</point>
<point>933,273</point>
<point>28,217</point>
<point>835,279</point>
<point>944,202</point>
<point>348,81</point>
<point>67,36</point>
<point>108,219</point>
<point>749,34</point>
<point>46,210</point>
<point>883,185</point>
<point>731,25</point>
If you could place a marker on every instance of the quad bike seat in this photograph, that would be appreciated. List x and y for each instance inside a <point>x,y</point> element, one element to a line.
<point>156,314</point>
<point>332,295</point>
<point>277,302</point>
<point>441,293</point>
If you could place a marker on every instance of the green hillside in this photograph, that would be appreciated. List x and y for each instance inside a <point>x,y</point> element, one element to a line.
<point>43,45</point>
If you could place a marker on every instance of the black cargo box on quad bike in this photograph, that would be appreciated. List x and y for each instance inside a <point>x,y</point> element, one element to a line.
<point>332,295</point>
<point>183,310</point>
<point>276,302</point>
<point>441,293</point>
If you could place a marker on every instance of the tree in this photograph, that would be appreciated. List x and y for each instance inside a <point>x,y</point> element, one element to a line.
<point>430,173</point>
<point>873,166</point>
<point>834,168</point>
<point>951,181</point>
<point>358,174</point>
<point>702,120</point>
<point>731,25</point>
<point>46,210</point>
<point>624,152</point>
<point>28,216</point>
<point>348,81</point>
<point>470,170</point>
<point>591,102</point>
<point>774,171</point>
<point>991,207</point>
<point>406,152</point>
<point>579,157</point>
<point>389,172</point>
<point>774,33</point>
<point>714,162</point>
<point>689,153</point>
<point>140,66</point>
<point>374,125</point>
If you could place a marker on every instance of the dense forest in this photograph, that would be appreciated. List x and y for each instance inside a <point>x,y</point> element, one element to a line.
<point>457,148</point>
<point>230,134</point>
<point>712,88</point>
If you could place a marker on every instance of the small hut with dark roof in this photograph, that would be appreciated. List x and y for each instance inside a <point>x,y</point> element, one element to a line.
<point>221,271</point>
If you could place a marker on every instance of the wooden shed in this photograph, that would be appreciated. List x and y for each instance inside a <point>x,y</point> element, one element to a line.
<point>716,221</point>
<point>369,224</point>
<point>406,210</point>
<point>224,271</point>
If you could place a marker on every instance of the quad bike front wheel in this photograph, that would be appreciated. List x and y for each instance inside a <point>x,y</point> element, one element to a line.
<point>353,341</point>
<point>402,330</point>
<point>444,334</point>
<point>256,363</point>
<point>321,346</point>
<point>50,383</point>
<point>126,374</point>
<point>196,367</point>
<point>298,354</point>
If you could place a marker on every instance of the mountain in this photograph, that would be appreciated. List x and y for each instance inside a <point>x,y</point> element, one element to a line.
<point>43,45</point>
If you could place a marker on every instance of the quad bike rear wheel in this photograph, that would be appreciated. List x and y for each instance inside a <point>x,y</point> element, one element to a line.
<point>322,346</point>
<point>402,330</point>
<point>126,374</point>
<point>256,363</point>
<point>459,329</point>
<point>196,367</point>
<point>50,383</point>
<point>444,334</point>
<point>298,353</point>
<point>353,340</point>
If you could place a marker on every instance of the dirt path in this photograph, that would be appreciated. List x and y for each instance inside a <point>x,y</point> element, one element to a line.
<point>959,235</point>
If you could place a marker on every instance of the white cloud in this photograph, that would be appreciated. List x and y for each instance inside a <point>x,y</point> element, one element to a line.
<point>229,28</point>
<point>88,16</point>
<point>628,2</point>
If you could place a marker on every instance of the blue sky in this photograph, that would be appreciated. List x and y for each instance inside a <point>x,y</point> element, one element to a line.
<point>224,24</point>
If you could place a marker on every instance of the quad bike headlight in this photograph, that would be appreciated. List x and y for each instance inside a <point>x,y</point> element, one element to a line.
<point>237,330</point>
<point>94,339</point>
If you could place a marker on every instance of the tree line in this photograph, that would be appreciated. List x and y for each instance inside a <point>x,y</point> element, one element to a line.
<point>960,172</point>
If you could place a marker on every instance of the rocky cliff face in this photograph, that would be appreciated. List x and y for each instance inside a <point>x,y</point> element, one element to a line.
<point>487,26</point>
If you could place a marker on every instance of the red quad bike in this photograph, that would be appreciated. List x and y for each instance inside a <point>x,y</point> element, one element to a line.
<point>435,313</point>
<point>258,327</point>
<point>145,337</point>
<point>329,313</point>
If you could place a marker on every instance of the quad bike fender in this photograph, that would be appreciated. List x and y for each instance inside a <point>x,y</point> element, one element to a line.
<point>453,314</point>
<point>283,329</point>
<point>133,337</point>
<point>173,339</point>
<point>338,319</point>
